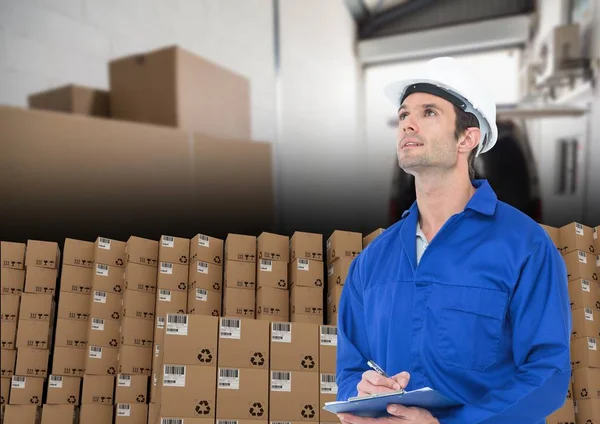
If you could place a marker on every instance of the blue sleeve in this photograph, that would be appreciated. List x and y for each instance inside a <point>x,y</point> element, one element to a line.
<point>540,315</point>
<point>352,349</point>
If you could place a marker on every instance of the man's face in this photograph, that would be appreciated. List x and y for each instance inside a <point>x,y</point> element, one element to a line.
<point>425,139</point>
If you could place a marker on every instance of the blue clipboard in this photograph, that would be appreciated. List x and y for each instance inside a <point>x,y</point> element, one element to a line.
<point>375,406</point>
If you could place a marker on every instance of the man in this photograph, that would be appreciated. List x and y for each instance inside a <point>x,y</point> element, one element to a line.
<point>464,294</point>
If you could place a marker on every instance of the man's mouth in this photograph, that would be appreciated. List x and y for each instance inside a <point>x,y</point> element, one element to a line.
<point>411,144</point>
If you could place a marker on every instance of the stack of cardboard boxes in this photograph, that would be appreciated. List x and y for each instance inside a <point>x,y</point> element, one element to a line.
<point>272,288</point>
<point>327,370</point>
<point>205,277</point>
<point>239,288</point>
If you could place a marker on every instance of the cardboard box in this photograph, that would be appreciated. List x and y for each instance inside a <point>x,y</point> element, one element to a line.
<point>337,272</point>
<point>580,265</point>
<point>78,253</point>
<point>274,247</point>
<point>101,360</point>
<point>140,277</point>
<point>307,301</point>
<point>60,414</point>
<point>206,249</point>
<point>270,273</point>
<point>74,99</point>
<point>553,234</point>
<point>564,415</point>
<point>587,411</point>
<point>12,255</point>
<point>586,383</point>
<point>239,247</point>
<point>43,254</point>
<point>187,390</point>
<point>238,303</point>
<point>306,246</point>
<point>170,302</point>
<point>71,333</point>
<point>74,306</point>
<point>242,393</point>
<point>306,273</point>
<point>95,414</point>
<point>5,390</point>
<point>205,275</point>
<point>596,238</point>
<point>104,332</point>
<point>575,236</point>
<point>273,304</point>
<point>172,276</point>
<point>106,305</point>
<point>12,280</point>
<point>39,307</point>
<point>26,390</point>
<point>295,347</point>
<point>32,362</point>
<point>174,87</point>
<point>8,358</point>
<point>327,393</point>
<point>137,304</point>
<point>372,236</point>
<point>131,413</point>
<point>190,340</point>
<point>204,302</point>
<point>174,250</point>
<point>98,389</point>
<point>63,390</point>
<point>8,334</point>
<point>22,414</point>
<point>333,302</point>
<point>243,343</point>
<point>240,275</point>
<point>9,307</point>
<point>68,361</point>
<point>585,353</point>
<point>40,280</point>
<point>142,251</point>
<point>135,360</point>
<point>132,388</point>
<point>109,252</point>
<point>137,332</point>
<point>294,396</point>
<point>76,279</point>
<point>343,244</point>
<point>35,334</point>
<point>108,278</point>
<point>328,349</point>
<point>585,323</point>
<point>584,294</point>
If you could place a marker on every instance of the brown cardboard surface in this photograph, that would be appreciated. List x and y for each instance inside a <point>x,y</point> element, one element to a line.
<point>575,236</point>
<point>240,275</point>
<point>103,332</point>
<point>587,411</point>
<point>243,343</point>
<point>205,275</point>
<point>174,250</point>
<point>586,383</point>
<point>187,390</point>
<point>68,361</point>
<point>596,238</point>
<point>273,304</point>
<point>309,319</point>
<point>63,390</point>
<point>295,346</point>
<point>74,306</point>
<point>328,393</point>
<point>12,255</point>
<point>109,252</point>
<point>333,303</point>
<point>131,413</point>
<point>553,234</point>
<point>240,247</point>
<point>371,236</point>
<point>564,415</point>
<point>96,414</point>
<point>8,334</point>
<point>8,358</point>
<point>170,302</point>
<point>12,280</point>
<point>306,246</point>
<point>9,307</point>
<point>60,414</point>
<point>71,98</point>
<point>137,332</point>
<point>306,273</point>
<point>71,333</point>
<point>5,391</point>
<point>108,278</point>
<point>43,254</point>
<point>106,305</point>
<point>294,396</point>
<point>137,304</point>
<point>190,340</point>
<point>132,388</point>
<point>272,246</point>
<point>32,362</point>
<point>271,273</point>
<point>140,277</point>
<point>172,276</point>
<point>78,253</point>
<point>26,390</point>
<point>337,272</point>
<point>204,302</point>
<point>585,353</point>
<point>585,323</point>
<point>327,349</point>
<point>101,360</point>
<point>40,280</point>
<point>35,334</point>
<point>22,414</point>
<point>142,251</point>
<point>307,301</point>
<point>98,389</point>
<point>135,360</point>
<point>207,249</point>
<point>343,244</point>
<point>242,393</point>
<point>584,294</point>
<point>36,306</point>
<point>581,265</point>
<point>239,303</point>
<point>76,279</point>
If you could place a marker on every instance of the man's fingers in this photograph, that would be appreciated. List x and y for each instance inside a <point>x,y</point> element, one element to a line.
<point>377,379</point>
<point>352,419</point>
<point>402,379</point>
<point>406,412</point>
<point>366,388</point>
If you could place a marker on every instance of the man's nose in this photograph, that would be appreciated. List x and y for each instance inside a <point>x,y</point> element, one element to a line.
<point>408,124</point>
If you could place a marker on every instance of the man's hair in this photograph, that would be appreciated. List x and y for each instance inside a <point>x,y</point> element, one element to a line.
<point>466,120</point>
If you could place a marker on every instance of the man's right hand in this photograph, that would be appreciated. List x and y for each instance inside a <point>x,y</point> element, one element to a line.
<point>373,382</point>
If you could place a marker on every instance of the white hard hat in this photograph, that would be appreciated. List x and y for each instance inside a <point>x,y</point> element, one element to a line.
<point>446,78</point>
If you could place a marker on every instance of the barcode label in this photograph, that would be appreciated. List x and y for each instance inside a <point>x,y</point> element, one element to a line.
<point>266,265</point>
<point>56,382</point>
<point>171,421</point>
<point>124,380</point>
<point>578,229</point>
<point>227,422</point>
<point>123,410</point>
<point>328,384</point>
<point>328,335</point>
<point>18,382</point>
<point>166,268</point>
<point>281,381</point>
<point>97,324</point>
<point>597,261</point>
<point>589,314</point>
<point>174,376</point>
<point>104,243</point>
<point>229,379</point>
<point>95,352</point>
<point>585,285</point>
<point>303,264</point>
<point>592,343</point>
<point>230,328</point>
<point>164,295</point>
<point>99,296</point>
<point>329,244</point>
<point>168,241</point>
<point>582,257</point>
<point>202,295</point>
<point>177,324</point>
<point>203,240</point>
<point>281,332</point>
<point>102,270</point>
<point>595,233</point>
<point>160,322</point>
<point>202,267</point>
<point>156,350</point>
<point>330,270</point>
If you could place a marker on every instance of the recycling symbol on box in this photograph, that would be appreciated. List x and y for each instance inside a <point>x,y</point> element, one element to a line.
<point>215,313</point>
<point>115,315</point>
<point>181,286</point>
<point>217,259</point>
<point>111,371</point>
<point>203,408</point>
<point>216,286</point>
<point>205,356</point>
<point>308,362</point>
<point>257,359</point>
<point>584,393</point>
<point>71,399</point>
<point>592,248</point>
<point>339,280</point>
<point>183,259</point>
<point>595,276</point>
<point>257,410</point>
<point>334,309</point>
<point>598,304</point>
<point>589,422</point>
<point>113,342</point>
<point>35,400</point>
<point>117,288</point>
<point>281,283</point>
<point>141,398</point>
<point>318,282</point>
<point>119,262</point>
<point>308,411</point>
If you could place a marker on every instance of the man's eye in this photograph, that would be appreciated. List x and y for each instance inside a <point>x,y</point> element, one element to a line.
<point>402,116</point>
<point>429,112</point>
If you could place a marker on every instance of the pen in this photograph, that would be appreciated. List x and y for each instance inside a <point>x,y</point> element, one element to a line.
<point>377,368</point>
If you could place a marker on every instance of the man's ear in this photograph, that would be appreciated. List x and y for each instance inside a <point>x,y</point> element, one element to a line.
<point>470,140</point>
